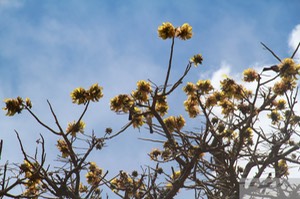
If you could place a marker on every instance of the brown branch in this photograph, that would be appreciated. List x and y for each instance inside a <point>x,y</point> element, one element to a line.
<point>170,65</point>
<point>295,51</point>
<point>41,123</point>
<point>271,51</point>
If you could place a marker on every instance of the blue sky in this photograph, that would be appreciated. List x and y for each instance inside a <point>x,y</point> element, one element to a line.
<point>48,48</point>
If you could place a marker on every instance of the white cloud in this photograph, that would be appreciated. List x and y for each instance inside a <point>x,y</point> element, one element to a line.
<point>294,40</point>
<point>220,74</point>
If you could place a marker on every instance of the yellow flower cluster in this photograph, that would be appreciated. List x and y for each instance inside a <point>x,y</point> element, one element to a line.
<point>176,175</point>
<point>127,103</point>
<point>227,107</point>
<point>122,103</point>
<point>193,92</point>
<point>94,175</point>
<point>82,96</point>
<point>167,31</point>
<point>204,86</point>
<point>250,75</point>
<point>248,135</point>
<point>184,32</point>
<point>83,188</point>
<point>13,106</point>
<point>142,91</point>
<point>133,187</point>
<point>74,127</point>
<point>33,179</point>
<point>63,148</point>
<point>161,105</point>
<point>288,68</point>
<point>164,154</point>
<point>212,100</point>
<point>284,85</point>
<point>191,105</point>
<point>275,116</point>
<point>154,154</point>
<point>137,118</point>
<point>174,123</point>
<point>231,89</point>
<point>280,104</point>
<point>283,167</point>
<point>197,59</point>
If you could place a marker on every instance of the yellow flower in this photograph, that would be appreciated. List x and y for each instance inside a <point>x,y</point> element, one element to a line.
<point>122,103</point>
<point>248,133</point>
<point>90,177</point>
<point>28,103</point>
<point>144,86</point>
<point>190,88</point>
<point>250,75</point>
<point>185,32</point>
<point>94,175</point>
<point>274,116</point>
<point>169,186</point>
<point>180,122</point>
<point>75,127</point>
<point>166,30</point>
<point>92,166</point>
<point>284,85</point>
<point>288,68</point>
<point>197,59</point>
<point>221,127</point>
<point>154,154</point>
<point>26,166</point>
<point>13,106</point>
<point>143,89</point>
<point>94,93</point>
<point>82,188</point>
<point>174,123</point>
<point>283,167</point>
<point>281,104</point>
<point>63,148</point>
<point>141,96</point>
<point>137,118</point>
<point>170,123</point>
<point>82,96</point>
<point>161,105</point>
<point>166,154</point>
<point>227,107</point>
<point>204,86</point>
<point>228,86</point>
<point>191,106</point>
<point>176,175</point>
<point>211,101</point>
<point>79,96</point>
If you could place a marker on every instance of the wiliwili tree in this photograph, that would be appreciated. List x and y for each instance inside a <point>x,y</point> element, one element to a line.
<point>231,146</point>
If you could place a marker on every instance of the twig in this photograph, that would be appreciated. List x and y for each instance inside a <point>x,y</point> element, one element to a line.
<point>169,67</point>
<point>55,117</point>
<point>41,123</point>
<point>122,130</point>
<point>271,51</point>
<point>295,51</point>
